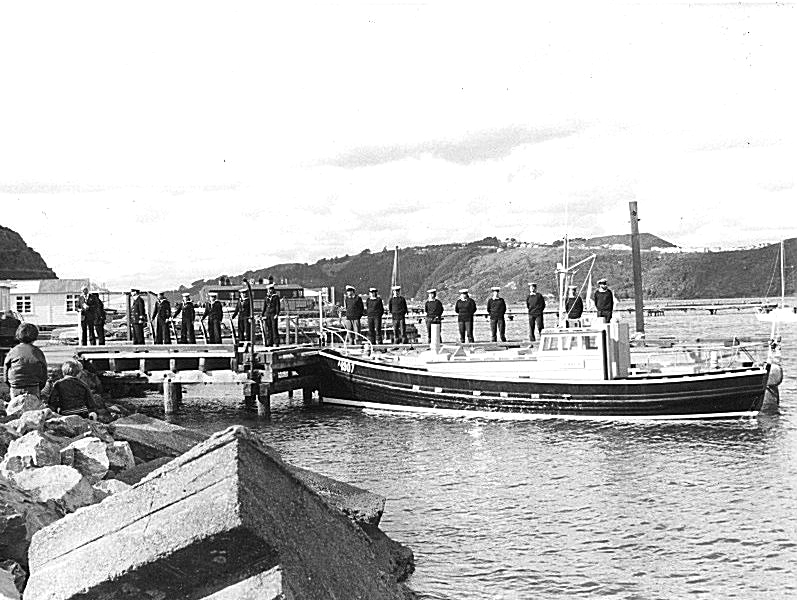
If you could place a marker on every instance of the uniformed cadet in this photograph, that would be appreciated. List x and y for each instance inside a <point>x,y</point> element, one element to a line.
<point>604,300</point>
<point>354,312</point>
<point>535,303</point>
<point>465,309</point>
<point>161,315</point>
<point>271,311</point>
<point>434,314</point>
<point>374,309</point>
<point>574,305</point>
<point>214,312</point>
<point>187,309</point>
<point>85,305</point>
<point>397,307</point>
<point>138,316</point>
<point>100,317</point>
<point>243,310</point>
<point>496,308</point>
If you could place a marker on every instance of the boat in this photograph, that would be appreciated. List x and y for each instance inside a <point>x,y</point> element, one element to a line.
<point>781,313</point>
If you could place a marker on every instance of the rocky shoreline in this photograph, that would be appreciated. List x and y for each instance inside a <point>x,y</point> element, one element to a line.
<point>140,508</point>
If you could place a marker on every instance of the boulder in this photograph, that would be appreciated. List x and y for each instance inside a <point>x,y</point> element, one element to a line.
<point>120,456</point>
<point>108,487</point>
<point>62,484</point>
<point>89,456</point>
<point>69,426</point>
<point>21,515</point>
<point>6,437</point>
<point>24,403</point>
<point>8,589</point>
<point>213,518</point>
<point>12,579</point>
<point>32,420</point>
<point>152,438</point>
<point>135,474</point>
<point>34,449</point>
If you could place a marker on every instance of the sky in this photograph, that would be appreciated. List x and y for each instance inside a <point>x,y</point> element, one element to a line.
<point>153,144</point>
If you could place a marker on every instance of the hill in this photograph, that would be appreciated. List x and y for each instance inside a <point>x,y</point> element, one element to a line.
<point>646,241</point>
<point>18,260</point>
<point>483,264</point>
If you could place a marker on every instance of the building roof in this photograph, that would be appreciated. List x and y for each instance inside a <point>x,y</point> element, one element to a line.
<point>46,286</point>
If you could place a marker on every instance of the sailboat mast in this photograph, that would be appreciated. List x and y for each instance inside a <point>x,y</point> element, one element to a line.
<point>782,275</point>
<point>394,279</point>
<point>636,259</point>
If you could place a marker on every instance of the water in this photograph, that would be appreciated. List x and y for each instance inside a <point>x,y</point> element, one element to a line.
<point>549,509</point>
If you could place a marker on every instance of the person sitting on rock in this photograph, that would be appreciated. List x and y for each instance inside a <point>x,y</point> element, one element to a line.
<point>70,396</point>
<point>25,364</point>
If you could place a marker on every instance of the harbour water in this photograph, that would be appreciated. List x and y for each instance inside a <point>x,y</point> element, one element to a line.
<point>561,509</point>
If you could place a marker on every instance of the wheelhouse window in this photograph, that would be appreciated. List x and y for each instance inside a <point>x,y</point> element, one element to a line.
<point>570,342</point>
<point>24,304</point>
<point>550,343</point>
<point>71,303</point>
<point>590,342</point>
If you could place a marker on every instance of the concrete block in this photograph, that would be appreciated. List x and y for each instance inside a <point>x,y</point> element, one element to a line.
<point>63,485</point>
<point>263,586</point>
<point>137,473</point>
<point>212,518</point>
<point>152,438</point>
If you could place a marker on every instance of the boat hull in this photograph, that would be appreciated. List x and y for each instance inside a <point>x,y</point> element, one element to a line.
<point>355,381</point>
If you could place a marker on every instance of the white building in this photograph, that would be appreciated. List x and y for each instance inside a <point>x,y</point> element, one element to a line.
<point>45,302</point>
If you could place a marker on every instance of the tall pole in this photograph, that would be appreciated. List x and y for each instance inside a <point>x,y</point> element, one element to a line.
<point>636,257</point>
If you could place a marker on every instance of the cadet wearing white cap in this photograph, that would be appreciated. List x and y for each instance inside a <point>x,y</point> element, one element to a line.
<point>604,300</point>
<point>535,303</point>
<point>271,311</point>
<point>465,309</point>
<point>161,315</point>
<point>354,312</point>
<point>138,316</point>
<point>243,310</point>
<point>496,308</point>
<point>434,313</point>
<point>397,307</point>
<point>214,312</point>
<point>374,309</point>
<point>187,310</point>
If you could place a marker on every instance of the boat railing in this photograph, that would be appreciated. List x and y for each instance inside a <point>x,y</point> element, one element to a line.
<point>704,357</point>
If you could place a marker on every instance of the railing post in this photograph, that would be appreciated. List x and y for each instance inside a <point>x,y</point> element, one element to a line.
<point>172,396</point>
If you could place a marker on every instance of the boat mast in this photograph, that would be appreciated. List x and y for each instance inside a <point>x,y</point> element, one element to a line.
<point>394,279</point>
<point>636,259</point>
<point>782,275</point>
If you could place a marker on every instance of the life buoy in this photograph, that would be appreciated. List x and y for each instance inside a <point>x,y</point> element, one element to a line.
<point>775,375</point>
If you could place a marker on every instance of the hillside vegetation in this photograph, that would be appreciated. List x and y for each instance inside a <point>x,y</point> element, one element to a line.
<point>18,260</point>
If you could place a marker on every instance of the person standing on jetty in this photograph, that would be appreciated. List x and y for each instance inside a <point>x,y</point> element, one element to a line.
<point>397,307</point>
<point>374,309</point>
<point>496,308</point>
<point>188,311</point>
<point>434,314</point>
<point>25,364</point>
<point>604,300</point>
<point>465,309</point>
<point>243,310</point>
<point>535,303</point>
<point>85,305</point>
<point>138,316</point>
<point>354,312</point>
<point>574,305</point>
<point>161,315</point>
<point>271,311</point>
<point>214,313</point>
<point>99,318</point>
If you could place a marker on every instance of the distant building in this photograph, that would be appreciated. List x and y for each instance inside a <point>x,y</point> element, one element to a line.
<point>46,302</point>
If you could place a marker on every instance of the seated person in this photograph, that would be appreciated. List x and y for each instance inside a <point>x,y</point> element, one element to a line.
<point>70,396</point>
<point>25,364</point>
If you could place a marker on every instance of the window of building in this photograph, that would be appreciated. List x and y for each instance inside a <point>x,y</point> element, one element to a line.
<point>71,303</point>
<point>24,305</point>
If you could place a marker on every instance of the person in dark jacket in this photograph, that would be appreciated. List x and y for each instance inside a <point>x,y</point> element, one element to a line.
<point>496,308</point>
<point>8,329</point>
<point>243,310</point>
<point>138,315</point>
<point>214,313</point>
<point>604,300</point>
<point>25,364</point>
<point>271,311</point>
<point>374,309</point>
<point>86,306</point>
<point>465,309</point>
<point>574,305</point>
<point>188,312</point>
<point>434,314</point>
<point>161,314</point>
<point>354,312</point>
<point>70,395</point>
<point>535,303</point>
<point>397,307</point>
<point>99,318</point>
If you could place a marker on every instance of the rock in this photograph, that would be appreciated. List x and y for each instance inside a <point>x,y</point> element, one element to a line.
<point>59,483</point>
<point>89,456</point>
<point>34,449</point>
<point>152,438</point>
<point>8,589</point>
<point>210,519</point>
<point>68,426</point>
<point>21,515</point>
<point>135,474</point>
<point>6,437</point>
<point>32,420</point>
<point>12,579</point>
<point>24,403</point>
<point>263,586</point>
<point>108,487</point>
<point>120,456</point>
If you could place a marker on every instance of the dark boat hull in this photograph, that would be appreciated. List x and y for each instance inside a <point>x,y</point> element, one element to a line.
<point>355,381</point>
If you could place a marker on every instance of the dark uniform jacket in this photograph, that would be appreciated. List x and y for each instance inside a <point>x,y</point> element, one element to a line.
<point>354,308</point>
<point>70,396</point>
<point>243,310</point>
<point>214,310</point>
<point>139,310</point>
<point>163,310</point>
<point>85,305</point>
<point>271,307</point>
<point>99,310</point>
<point>434,310</point>
<point>397,306</point>
<point>604,301</point>
<point>536,304</point>
<point>465,309</point>
<point>188,311</point>
<point>374,307</point>
<point>496,307</point>
<point>574,307</point>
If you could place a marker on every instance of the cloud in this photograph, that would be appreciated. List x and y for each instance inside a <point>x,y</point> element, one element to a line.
<point>477,147</point>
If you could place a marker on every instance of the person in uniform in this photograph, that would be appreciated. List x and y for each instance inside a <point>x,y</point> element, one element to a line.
<point>161,314</point>
<point>397,307</point>
<point>214,313</point>
<point>354,312</point>
<point>604,300</point>
<point>138,316</point>
<point>99,317</point>
<point>243,310</point>
<point>374,309</point>
<point>271,311</point>
<point>465,309</point>
<point>535,303</point>
<point>496,308</point>
<point>574,305</point>
<point>85,305</point>
<point>434,314</point>
<point>188,312</point>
